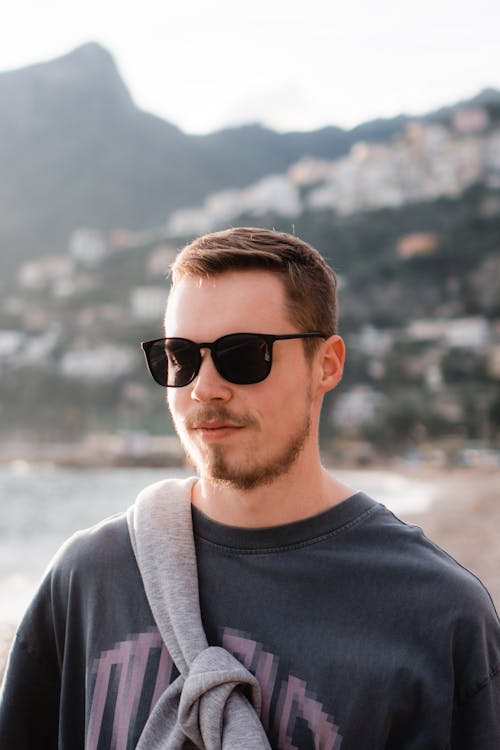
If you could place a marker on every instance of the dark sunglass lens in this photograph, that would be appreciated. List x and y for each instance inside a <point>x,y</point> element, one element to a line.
<point>242,358</point>
<point>182,360</point>
<point>157,363</point>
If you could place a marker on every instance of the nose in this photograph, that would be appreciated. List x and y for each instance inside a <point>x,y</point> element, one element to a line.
<point>208,385</point>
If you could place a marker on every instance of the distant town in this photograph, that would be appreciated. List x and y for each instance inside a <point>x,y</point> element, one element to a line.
<point>423,371</point>
<point>424,162</point>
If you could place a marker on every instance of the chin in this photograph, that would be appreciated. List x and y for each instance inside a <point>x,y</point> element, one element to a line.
<point>245,478</point>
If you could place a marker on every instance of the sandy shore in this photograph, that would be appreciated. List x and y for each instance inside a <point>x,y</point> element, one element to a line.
<point>464,520</point>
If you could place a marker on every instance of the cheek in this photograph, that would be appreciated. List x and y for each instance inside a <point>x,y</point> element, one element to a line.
<point>169,400</point>
<point>176,401</point>
<point>278,402</point>
<point>292,402</point>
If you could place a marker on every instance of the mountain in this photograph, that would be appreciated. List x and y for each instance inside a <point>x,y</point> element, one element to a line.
<point>76,151</point>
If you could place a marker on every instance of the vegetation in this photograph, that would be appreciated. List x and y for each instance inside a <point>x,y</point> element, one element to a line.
<point>426,390</point>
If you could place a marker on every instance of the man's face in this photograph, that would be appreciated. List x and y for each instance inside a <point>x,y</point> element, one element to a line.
<point>243,435</point>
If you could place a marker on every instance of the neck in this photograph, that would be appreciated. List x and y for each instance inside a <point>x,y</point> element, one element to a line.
<point>292,497</point>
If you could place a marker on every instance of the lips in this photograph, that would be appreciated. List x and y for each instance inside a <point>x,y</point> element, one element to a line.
<point>215,418</point>
<point>215,426</point>
<point>210,432</point>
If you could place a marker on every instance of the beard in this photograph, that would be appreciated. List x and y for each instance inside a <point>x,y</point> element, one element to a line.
<point>213,463</point>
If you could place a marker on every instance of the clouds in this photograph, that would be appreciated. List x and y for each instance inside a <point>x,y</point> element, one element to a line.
<point>295,66</point>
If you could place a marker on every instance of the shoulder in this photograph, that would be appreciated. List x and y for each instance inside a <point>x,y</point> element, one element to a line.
<point>109,540</point>
<point>90,564</point>
<point>418,564</point>
<point>96,545</point>
<point>431,598</point>
<point>166,490</point>
<point>106,545</point>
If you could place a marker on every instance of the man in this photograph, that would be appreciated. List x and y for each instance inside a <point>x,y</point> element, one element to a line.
<point>262,603</point>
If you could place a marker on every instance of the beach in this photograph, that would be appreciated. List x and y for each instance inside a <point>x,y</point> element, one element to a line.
<point>464,520</point>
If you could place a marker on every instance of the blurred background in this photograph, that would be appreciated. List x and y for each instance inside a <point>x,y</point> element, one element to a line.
<point>370,130</point>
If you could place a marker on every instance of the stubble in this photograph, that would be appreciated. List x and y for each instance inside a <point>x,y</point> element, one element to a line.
<point>213,462</point>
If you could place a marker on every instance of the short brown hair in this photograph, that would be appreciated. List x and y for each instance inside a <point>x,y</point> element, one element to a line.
<point>310,283</point>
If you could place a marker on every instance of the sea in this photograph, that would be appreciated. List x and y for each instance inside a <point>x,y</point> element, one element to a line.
<point>41,506</point>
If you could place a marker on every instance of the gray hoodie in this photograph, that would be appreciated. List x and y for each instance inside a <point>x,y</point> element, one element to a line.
<point>205,706</point>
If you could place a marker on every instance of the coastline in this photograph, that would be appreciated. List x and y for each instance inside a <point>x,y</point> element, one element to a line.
<point>120,450</point>
<point>463,519</point>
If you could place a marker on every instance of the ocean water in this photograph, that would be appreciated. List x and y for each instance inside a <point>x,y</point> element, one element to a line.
<point>40,507</point>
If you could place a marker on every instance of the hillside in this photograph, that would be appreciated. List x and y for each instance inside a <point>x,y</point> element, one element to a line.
<point>419,309</point>
<point>76,151</point>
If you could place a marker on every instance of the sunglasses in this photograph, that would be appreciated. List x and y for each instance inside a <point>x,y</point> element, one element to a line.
<point>240,358</point>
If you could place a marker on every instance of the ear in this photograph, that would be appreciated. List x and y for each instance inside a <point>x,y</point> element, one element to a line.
<point>331,363</point>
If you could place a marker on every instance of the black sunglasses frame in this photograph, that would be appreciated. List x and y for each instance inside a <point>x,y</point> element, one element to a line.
<point>269,339</point>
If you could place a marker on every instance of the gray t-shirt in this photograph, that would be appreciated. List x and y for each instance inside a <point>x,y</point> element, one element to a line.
<point>360,631</point>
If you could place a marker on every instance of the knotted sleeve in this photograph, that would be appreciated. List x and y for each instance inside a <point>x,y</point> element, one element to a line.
<point>215,701</point>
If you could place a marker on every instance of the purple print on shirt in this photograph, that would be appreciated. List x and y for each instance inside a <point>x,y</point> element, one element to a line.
<point>141,667</point>
<point>121,672</point>
<point>295,700</point>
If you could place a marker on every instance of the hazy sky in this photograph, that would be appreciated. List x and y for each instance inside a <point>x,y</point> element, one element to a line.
<point>290,65</point>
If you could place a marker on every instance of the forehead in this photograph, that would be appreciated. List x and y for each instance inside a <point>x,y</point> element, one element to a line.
<point>230,302</point>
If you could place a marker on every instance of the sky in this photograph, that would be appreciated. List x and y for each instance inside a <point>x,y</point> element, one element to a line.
<point>289,65</point>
